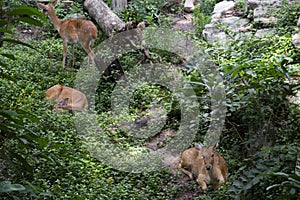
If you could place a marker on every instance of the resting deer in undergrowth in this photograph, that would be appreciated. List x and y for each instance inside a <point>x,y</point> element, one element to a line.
<point>73,31</point>
<point>205,164</point>
<point>67,98</point>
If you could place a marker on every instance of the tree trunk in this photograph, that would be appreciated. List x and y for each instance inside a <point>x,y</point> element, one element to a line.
<point>108,21</point>
<point>119,5</point>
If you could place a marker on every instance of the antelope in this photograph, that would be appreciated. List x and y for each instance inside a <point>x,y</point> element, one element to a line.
<point>205,164</point>
<point>73,31</point>
<point>67,98</point>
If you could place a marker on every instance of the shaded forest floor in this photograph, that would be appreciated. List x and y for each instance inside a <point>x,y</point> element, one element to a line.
<point>180,22</point>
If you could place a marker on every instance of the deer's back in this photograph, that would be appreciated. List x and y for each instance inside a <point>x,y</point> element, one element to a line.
<point>78,29</point>
<point>221,164</point>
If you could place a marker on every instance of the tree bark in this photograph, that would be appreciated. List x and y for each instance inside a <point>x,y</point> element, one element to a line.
<point>108,21</point>
<point>119,5</point>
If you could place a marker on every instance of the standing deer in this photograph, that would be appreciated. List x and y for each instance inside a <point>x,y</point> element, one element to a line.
<point>204,163</point>
<point>73,31</point>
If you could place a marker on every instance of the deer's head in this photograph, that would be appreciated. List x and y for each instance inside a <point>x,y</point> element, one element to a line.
<point>207,154</point>
<point>48,7</point>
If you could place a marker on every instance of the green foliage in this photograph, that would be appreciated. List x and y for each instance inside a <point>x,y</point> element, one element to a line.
<point>31,3</point>
<point>200,19</point>
<point>6,186</point>
<point>144,10</point>
<point>201,15</point>
<point>207,6</point>
<point>291,185</point>
<point>256,67</point>
<point>258,73</point>
<point>17,14</point>
<point>65,11</point>
<point>261,173</point>
<point>287,15</point>
<point>20,145</point>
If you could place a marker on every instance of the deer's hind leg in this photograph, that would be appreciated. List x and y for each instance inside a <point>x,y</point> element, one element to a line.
<point>65,48</point>
<point>87,46</point>
<point>73,57</point>
<point>181,168</point>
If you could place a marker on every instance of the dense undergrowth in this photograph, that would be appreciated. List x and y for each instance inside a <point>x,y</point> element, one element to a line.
<point>42,156</point>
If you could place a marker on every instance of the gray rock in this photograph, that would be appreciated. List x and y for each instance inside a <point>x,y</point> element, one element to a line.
<point>266,20</point>
<point>264,32</point>
<point>223,6</point>
<point>189,5</point>
<point>296,40</point>
<point>256,3</point>
<point>234,23</point>
<point>212,36</point>
<point>263,14</point>
<point>225,16</point>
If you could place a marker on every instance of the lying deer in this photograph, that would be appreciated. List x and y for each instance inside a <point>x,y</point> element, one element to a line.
<point>67,98</point>
<point>204,163</point>
<point>73,31</point>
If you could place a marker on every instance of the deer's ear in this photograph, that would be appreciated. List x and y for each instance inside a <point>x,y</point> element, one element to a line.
<point>54,3</point>
<point>41,6</point>
<point>198,146</point>
<point>216,144</point>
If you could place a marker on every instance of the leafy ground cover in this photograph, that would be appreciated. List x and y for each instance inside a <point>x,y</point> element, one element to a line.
<point>42,156</point>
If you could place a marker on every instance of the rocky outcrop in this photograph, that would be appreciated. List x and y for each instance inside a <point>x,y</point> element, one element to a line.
<point>296,40</point>
<point>189,5</point>
<point>231,16</point>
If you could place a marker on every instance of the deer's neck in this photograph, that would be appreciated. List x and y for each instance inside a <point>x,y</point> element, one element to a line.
<point>54,19</point>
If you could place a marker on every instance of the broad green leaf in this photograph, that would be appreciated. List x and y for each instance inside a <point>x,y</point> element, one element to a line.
<point>6,31</point>
<point>30,20</point>
<point>25,114</point>
<point>238,184</point>
<point>10,56</point>
<point>4,65</point>
<point>6,186</point>
<point>13,41</point>
<point>33,187</point>
<point>273,186</point>
<point>21,160</point>
<point>9,114</point>
<point>3,22</point>
<point>26,10</point>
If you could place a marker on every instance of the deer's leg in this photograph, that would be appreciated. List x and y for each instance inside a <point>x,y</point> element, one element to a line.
<point>218,174</point>
<point>201,180</point>
<point>91,57</point>
<point>180,167</point>
<point>65,46</point>
<point>87,48</point>
<point>73,47</point>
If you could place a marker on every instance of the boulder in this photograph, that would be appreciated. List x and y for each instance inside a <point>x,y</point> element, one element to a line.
<point>221,8</point>
<point>212,34</point>
<point>264,14</point>
<point>264,32</point>
<point>296,40</point>
<point>234,23</point>
<point>189,5</point>
<point>226,17</point>
<point>223,18</point>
